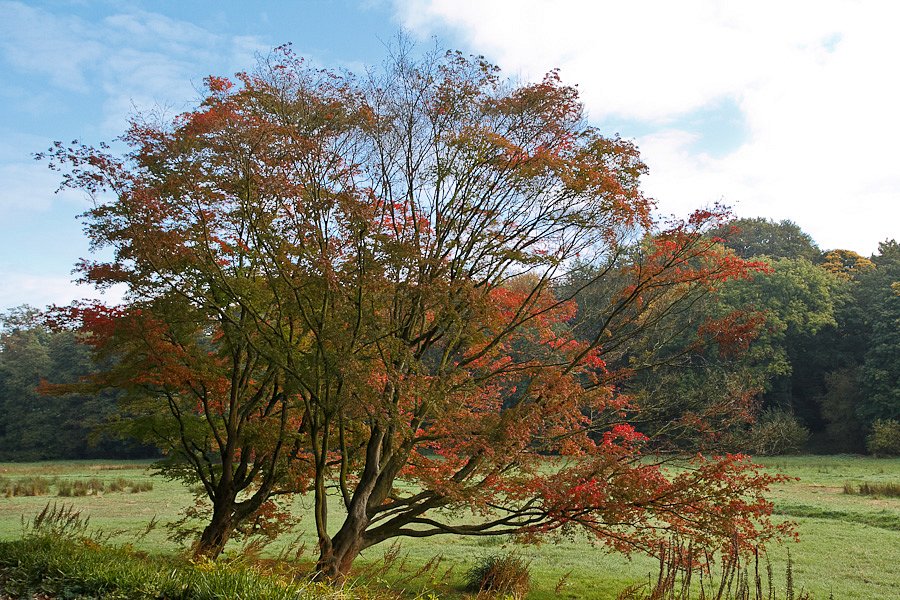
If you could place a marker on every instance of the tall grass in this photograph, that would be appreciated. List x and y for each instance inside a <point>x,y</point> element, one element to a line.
<point>888,490</point>
<point>37,485</point>
<point>25,486</point>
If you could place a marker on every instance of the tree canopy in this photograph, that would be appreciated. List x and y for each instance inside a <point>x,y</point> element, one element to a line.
<point>759,236</point>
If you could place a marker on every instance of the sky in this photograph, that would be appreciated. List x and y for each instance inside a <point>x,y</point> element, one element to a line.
<point>783,110</point>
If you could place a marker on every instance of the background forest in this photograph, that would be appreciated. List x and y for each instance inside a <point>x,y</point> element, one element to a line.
<point>821,374</point>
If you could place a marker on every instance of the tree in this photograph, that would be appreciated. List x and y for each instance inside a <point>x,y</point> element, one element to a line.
<point>764,237</point>
<point>798,300</point>
<point>880,370</point>
<point>195,387</point>
<point>391,253</point>
<point>34,426</point>
<point>846,264</point>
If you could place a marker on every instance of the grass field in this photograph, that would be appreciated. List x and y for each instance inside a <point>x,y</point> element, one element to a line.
<point>849,547</point>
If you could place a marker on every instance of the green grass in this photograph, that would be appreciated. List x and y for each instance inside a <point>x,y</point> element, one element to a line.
<point>78,568</point>
<point>849,546</point>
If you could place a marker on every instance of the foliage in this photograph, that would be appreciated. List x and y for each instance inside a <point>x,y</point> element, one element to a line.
<point>688,375</point>
<point>776,432</point>
<point>759,236</point>
<point>880,369</point>
<point>38,427</point>
<point>846,264</point>
<point>884,438</point>
<point>355,286</point>
<point>505,575</point>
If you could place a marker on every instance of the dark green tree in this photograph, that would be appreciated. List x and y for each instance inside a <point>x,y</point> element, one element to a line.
<point>880,370</point>
<point>34,426</point>
<point>764,237</point>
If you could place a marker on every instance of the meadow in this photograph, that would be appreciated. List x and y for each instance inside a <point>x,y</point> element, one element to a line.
<point>849,544</point>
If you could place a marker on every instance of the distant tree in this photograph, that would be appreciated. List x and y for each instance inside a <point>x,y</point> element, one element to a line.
<point>34,426</point>
<point>846,264</point>
<point>880,371</point>
<point>796,298</point>
<point>751,237</point>
<point>377,265</point>
<point>691,379</point>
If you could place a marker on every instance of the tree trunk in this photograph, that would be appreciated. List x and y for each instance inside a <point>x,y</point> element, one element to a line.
<point>336,557</point>
<point>215,535</point>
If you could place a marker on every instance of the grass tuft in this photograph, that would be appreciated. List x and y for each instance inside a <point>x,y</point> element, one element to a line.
<point>505,575</point>
<point>886,490</point>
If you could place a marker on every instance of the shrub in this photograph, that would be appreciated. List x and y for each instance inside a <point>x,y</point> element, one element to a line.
<point>503,575</point>
<point>776,432</point>
<point>884,439</point>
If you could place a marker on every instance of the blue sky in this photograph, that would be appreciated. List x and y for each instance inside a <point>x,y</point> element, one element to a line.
<point>782,110</point>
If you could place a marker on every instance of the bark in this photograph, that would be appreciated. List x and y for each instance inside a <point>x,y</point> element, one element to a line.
<point>215,535</point>
<point>334,565</point>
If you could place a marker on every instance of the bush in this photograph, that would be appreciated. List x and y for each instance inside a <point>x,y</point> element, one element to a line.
<point>884,439</point>
<point>503,575</point>
<point>776,432</point>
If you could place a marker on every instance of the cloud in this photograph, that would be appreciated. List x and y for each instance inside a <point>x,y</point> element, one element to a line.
<point>44,290</point>
<point>130,59</point>
<point>812,81</point>
<point>27,186</point>
<point>61,48</point>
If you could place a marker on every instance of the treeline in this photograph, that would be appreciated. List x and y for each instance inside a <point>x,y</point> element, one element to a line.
<point>814,352</point>
<point>816,340</point>
<point>34,426</point>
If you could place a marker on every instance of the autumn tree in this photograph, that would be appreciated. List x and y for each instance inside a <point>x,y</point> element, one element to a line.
<point>389,255</point>
<point>194,386</point>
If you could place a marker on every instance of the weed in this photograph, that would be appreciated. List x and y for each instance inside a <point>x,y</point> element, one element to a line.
<point>57,521</point>
<point>94,486</point>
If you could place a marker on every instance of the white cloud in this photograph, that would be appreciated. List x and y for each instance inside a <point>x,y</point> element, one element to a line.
<point>27,187</point>
<point>45,290</point>
<point>132,59</point>
<point>814,82</point>
<point>62,48</point>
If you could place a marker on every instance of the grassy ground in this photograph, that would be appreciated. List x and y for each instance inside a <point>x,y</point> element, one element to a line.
<point>850,544</point>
